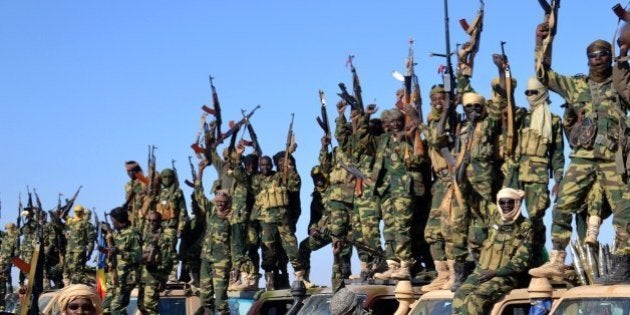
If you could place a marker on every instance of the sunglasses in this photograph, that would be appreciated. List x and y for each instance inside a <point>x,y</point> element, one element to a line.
<point>476,105</point>
<point>531,92</point>
<point>85,306</point>
<point>598,54</point>
<point>506,202</point>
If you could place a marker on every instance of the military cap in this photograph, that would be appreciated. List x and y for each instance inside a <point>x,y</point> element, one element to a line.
<point>599,44</point>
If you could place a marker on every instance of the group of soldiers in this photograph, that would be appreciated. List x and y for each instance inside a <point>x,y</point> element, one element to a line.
<point>448,191</point>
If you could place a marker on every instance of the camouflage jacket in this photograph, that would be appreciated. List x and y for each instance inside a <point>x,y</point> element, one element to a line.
<point>272,195</point>
<point>436,143</point>
<point>129,245</point>
<point>392,166</point>
<point>134,195</point>
<point>171,204</point>
<point>341,182</point>
<point>239,191</point>
<point>80,234</point>
<point>162,243</point>
<point>216,243</point>
<point>28,230</point>
<point>532,166</point>
<point>600,104</point>
<point>8,248</point>
<point>507,249</point>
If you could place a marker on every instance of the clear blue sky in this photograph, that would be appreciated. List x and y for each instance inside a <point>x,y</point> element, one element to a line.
<point>86,85</point>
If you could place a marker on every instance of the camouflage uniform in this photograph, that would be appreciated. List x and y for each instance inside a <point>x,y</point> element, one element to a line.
<point>171,204</point>
<point>53,270</point>
<point>81,236</point>
<point>7,249</point>
<point>26,249</point>
<point>593,160</point>
<point>470,221</point>
<point>272,201</point>
<point>191,243</point>
<point>155,273</point>
<point>128,256</point>
<point>506,251</point>
<point>215,255</point>
<point>134,194</point>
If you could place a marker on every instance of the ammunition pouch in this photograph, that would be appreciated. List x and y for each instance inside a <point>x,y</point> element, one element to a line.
<point>275,196</point>
<point>532,144</point>
<point>165,208</point>
<point>583,134</point>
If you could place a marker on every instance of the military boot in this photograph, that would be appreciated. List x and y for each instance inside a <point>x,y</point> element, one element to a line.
<point>392,267</point>
<point>299,276</point>
<point>249,282</point>
<point>451,275</point>
<point>553,268</point>
<point>620,273</point>
<point>235,280</point>
<point>592,230</point>
<point>441,267</point>
<point>269,279</point>
<point>403,272</point>
<point>462,271</point>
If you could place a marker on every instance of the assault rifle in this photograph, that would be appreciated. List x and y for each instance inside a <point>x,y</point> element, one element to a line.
<point>377,253</point>
<point>63,211</point>
<point>234,127</point>
<point>176,183</point>
<point>358,175</point>
<point>349,99</point>
<point>289,143</point>
<point>193,172</point>
<point>323,120</point>
<point>112,261</point>
<point>216,107</point>
<point>19,223</point>
<point>199,151</point>
<point>469,49</point>
<point>252,135</point>
<point>356,85</point>
<point>413,101</point>
<point>152,186</point>
<point>551,18</point>
<point>461,171</point>
<point>509,143</point>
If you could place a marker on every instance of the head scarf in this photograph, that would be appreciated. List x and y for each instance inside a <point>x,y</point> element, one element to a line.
<point>514,194</point>
<point>541,115</point>
<point>473,98</point>
<point>70,293</point>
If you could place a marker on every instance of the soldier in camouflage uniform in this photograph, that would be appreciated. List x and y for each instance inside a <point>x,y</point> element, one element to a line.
<point>318,221</point>
<point>8,249</point>
<point>134,191</point>
<point>171,205</point>
<point>157,262</point>
<point>599,118</point>
<point>215,255</point>
<point>394,184</point>
<point>127,250</point>
<point>191,242</point>
<point>472,209</point>
<point>504,259</point>
<point>81,237</point>
<point>53,270</point>
<point>272,202</point>
<point>540,156</point>
<point>437,231</point>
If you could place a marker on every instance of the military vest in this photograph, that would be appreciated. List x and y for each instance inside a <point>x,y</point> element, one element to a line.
<point>503,242</point>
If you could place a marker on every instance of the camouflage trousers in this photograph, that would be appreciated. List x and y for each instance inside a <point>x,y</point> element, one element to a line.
<point>437,230</point>
<point>420,250</point>
<point>118,295</point>
<point>365,223</point>
<point>239,248</point>
<point>474,298</point>
<point>397,215</point>
<point>339,225</point>
<point>74,267</point>
<point>5,281</point>
<point>536,202</point>
<point>573,191</point>
<point>274,233</point>
<point>309,245</point>
<point>253,243</point>
<point>151,283</point>
<point>214,282</point>
<point>470,223</point>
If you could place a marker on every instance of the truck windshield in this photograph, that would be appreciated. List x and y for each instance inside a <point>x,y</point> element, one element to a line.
<point>320,304</point>
<point>433,307</point>
<point>595,306</point>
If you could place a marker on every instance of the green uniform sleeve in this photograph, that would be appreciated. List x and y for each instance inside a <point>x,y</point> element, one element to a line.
<point>342,132</point>
<point>557,150</point>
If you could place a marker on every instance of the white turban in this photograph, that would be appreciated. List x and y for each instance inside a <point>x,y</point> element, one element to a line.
<point>70,293</point>
<point>514,194</point>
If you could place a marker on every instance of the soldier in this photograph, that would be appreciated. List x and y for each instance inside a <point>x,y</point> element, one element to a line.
<point>540,155</point>
<point>191,242</point>
<point>157,253</point>
<point>134,190</point>
<point>172,207</point>
<point>318,221</point>
<point>127,249</point>
<point>393,183</point>
<point>53,270</point>
<point>272,201</point>
<point>503,260</point>
<point>437,232</point>
<point>215,257</point>
<point>81,237</point>
<point>8,249</point>
<point>596,137</point>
